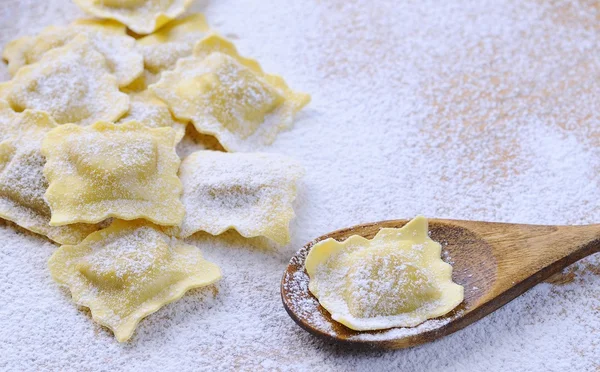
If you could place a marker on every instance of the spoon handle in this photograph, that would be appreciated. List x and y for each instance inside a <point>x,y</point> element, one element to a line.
<point>528,254</point>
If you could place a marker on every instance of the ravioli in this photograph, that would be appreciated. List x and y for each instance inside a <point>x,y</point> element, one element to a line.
<point>250,192</point>
<point>22,183</point>
<point>229,96</point>
<point>141,16</point>
<point>126,171</point>
<point>128,271</point>
<point>107,37</point>
<point>152,112</point>
<point>9,120</point>
<point>397,279</point>
<point>176,40</point>
<point>72,83</point>
<point>14,53</point>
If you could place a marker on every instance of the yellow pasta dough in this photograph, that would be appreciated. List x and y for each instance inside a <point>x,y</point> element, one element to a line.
<point>152,112</point>
<point>141,83</point>
<point>22,183</point>
<point>72,83</point>
<point>141,16</point>
<point>15,53</point>
<point>107,37</point>
<point>128,271</point>
<point>176,40</point>
<point>9,120</point>
<point>250,192</point>
<point>229,96</point>
<point>397,279</point>
<point>127,171</point>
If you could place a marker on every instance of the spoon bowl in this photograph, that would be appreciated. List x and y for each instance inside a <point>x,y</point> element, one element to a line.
<point>494,262</point>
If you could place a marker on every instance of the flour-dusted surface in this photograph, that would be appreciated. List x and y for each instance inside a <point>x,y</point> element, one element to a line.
<point>494,103</point>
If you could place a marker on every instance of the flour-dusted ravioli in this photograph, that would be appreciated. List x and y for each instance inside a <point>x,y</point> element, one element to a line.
<point>146,108</point>
<point>397,279</point>
<point>176,40</point>
<point>126,171</point>
<point>228,96</point>
<point>72,83</point>
<point>250,192</point>
<point>15,53</point>
<point>141,16</point>
<point>9,120</point>
<point>22,182</point>
<point>128,271</point>
<point>124,59</point>
<point>141,83</point>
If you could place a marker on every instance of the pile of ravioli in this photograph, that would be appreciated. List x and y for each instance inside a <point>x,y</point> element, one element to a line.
<point>97,152</point>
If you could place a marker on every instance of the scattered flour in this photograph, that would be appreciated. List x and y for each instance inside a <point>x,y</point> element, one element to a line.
<point>484,110</point>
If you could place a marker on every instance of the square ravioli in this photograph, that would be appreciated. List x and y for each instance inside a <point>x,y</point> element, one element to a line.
<point>249,192</point>
<point>29,49</point>
<point>229,96</point>
<point>22,182</point>
<point>124,59</point>
<point>395,279</point>
<point>72,83</point>
<point>141,16</point>
<point>128,271</point>
<point>126,171</point>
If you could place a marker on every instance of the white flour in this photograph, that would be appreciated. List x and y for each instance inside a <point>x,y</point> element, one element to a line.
<point>484,110</point>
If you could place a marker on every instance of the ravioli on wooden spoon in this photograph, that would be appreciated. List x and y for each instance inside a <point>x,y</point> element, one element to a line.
<point>396,279</point>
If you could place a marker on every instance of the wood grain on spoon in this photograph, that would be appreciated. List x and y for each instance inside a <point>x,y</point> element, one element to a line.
<point>495,262</point>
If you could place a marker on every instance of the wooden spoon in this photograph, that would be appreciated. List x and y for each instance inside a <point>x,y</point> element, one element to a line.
<point>495,262</point>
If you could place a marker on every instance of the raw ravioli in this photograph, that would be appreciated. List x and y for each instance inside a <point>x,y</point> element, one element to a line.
<point>249,192</point>
<point>229,96</point>
<point>29,49</point>
<point>141,16</point>
<point>397,279</point>
<point>128,271</point>
<point>22,182</point>
<point>107,37</point>
<point>72,83</point>
<point>9,120</point>
<point>126,171</point>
